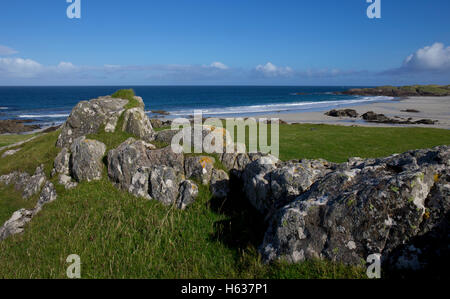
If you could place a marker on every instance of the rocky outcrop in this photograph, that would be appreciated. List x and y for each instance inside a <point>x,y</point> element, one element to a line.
<point>137,123</point>
<point>23,182</point>
<point>142,170</point>
<point>86,159</point>
<point>359,208</point>
<point>88,117</point>
<point>16,224</point>
<point>403,91</point>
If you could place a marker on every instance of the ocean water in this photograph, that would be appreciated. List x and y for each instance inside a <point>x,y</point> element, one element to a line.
<point>52,105</point>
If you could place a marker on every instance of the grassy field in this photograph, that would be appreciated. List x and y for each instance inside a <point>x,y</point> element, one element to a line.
<point>11,139</point>
<point>120,236</point>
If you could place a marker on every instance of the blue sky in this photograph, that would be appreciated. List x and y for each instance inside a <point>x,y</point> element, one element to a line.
<point>277,42</point>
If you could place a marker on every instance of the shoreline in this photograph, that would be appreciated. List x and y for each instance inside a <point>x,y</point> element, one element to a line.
<point>435,108</point>
<point>428,107</point>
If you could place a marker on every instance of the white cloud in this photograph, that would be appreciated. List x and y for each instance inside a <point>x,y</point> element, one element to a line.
<point>435,57</point>
<point>19,67</point>
<point>271,70</point>
<point>219,65</point>
<point>66,66</point>
<point>4,50</point>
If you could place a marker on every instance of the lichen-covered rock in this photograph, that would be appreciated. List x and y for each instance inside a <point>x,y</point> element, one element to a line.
<point>165,135</point>
<point>137,123</point>
<point>8,179</point>
<point>363,207</point>
<point>292,179</point>
<point>164,184</point>
<point>130,164</point>
<point>429,248</point>
<point>139,185</point>
<point>199,168</point>
<point>88,117</point>
<point>86,159</point>
<point>47,195</point>
<point>15,225</point>
<point>256,183</point>
<point>34,183</point>
<point>23,182</point>
<point>166,157</point>
<point>238,159</point>
<point>188,192</point>
<point>220,184</point>
<point>128,161</point>
<point>61,163</point>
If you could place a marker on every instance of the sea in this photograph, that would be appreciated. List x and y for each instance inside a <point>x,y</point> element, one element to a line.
<point>49,106</point>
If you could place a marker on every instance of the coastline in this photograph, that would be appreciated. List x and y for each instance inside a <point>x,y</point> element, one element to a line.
<point>435,108</point>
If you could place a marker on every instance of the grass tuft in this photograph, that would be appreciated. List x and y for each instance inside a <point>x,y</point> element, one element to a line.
<point>127,94</point>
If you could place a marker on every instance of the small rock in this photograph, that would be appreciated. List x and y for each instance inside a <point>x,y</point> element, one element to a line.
<point>66,181</point>
<point>10,152</point>
<point>188,192</point>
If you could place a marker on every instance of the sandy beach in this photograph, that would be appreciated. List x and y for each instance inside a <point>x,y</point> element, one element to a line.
<point>435,108</point>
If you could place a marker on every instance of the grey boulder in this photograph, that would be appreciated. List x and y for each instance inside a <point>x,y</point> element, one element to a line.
<point>137,123</point>
<point>86,159</point>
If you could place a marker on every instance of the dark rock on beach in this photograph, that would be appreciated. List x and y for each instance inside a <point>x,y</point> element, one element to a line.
<point>343,113</point>
<point>13,126</point>
<point>381,118</point>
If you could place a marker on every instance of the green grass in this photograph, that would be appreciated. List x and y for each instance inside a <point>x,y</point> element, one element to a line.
<point>338,143</point>
<point>11,201</point>
<point>11,139</point>
<point>111,140</point>
<point>129,95</point>
<point>432,89</point>
<point>120,236</point>
<point>41,150</point>
<point>162,128</point>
